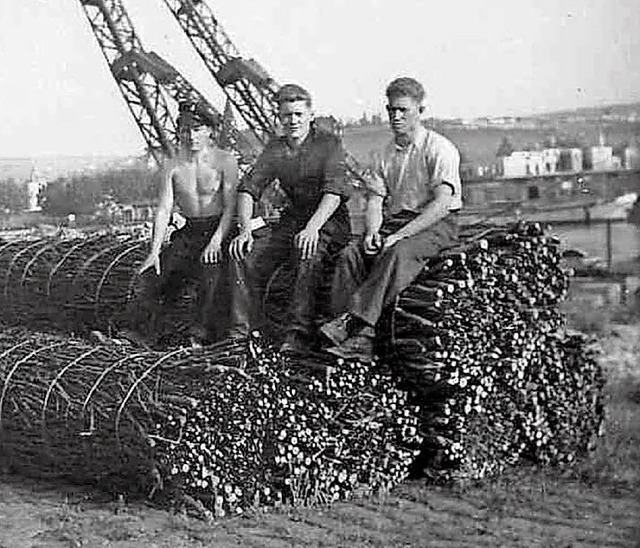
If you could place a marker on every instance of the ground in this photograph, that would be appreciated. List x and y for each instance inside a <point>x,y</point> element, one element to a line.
<point>595,504</point>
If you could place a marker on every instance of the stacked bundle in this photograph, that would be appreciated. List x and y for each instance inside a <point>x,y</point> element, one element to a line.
<point>80,284</point>
<point>478,338</point>
<point>233,425</point>
<point>303,433</point>
<point>69,283</point>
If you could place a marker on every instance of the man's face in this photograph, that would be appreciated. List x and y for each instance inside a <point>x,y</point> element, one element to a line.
<point>295,117</point>
<point>404,114</point>
<point>200,138</point>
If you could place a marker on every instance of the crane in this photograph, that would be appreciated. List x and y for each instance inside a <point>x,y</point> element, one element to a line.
<point>246,83</point>
<point>148,83</point>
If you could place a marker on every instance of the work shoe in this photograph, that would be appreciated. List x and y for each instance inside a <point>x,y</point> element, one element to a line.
<point>338,329</point>
<point>358,347</point>
<point>294,343</point>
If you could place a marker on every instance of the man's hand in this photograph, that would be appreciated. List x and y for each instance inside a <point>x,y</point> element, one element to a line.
<point>241,245</point>
<point>372,243</point>
<point>307,242</point>
<point>152,260</point>
<point>390,241</point>
<point>213,252</point>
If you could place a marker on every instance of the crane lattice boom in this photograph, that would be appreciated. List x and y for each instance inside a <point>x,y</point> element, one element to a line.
<point>247,85</point>
<point>143,94</point>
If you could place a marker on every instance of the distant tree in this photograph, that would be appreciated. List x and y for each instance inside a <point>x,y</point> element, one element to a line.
<point>13,195</point>
<point>505,148</point>
<point>78,194</point>
<point>85,193</point>
<point>131,185</point>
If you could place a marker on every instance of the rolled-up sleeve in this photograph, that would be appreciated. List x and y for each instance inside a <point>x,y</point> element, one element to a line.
<point>336,180</point>
<point>260,174</point>
<point>446,168</point>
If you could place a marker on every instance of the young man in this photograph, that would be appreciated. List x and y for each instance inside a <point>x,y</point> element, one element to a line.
<point>202,181</point>
<point>310,167</point>
<point>410,217</point>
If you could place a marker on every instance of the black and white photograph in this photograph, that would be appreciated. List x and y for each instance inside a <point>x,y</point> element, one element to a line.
<point>319,273</point>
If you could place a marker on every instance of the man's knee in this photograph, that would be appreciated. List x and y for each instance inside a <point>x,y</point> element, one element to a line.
<point>311,264</point>
<point>351,256</point>
<point>402,252</point>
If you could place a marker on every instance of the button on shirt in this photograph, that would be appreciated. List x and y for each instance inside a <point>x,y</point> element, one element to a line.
<point>411,174</point>
<point>306,173</point>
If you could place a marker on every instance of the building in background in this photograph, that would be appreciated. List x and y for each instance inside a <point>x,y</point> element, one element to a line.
<point>523,163</point>
<point>571,159</point>
<point>632,156</point>
<point>35,185</point>
<point>600,157</point>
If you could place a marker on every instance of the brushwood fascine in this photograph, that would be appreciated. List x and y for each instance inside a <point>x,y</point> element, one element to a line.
<point>234,426</point>
<point>480,342</point>
<point>477,372</point>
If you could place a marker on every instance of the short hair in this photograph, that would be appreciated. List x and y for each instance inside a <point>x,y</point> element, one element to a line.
<point>292,92</point>
<point>406,87</point>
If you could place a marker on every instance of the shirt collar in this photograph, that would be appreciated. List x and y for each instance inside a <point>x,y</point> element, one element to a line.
<point>419,138</point>
<point>311,136</point>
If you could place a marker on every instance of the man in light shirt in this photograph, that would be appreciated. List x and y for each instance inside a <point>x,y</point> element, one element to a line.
<point>410,217</point>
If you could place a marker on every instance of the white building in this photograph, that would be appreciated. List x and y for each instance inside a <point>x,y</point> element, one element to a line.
<point>632,157</point>
<point>551,160</point>
<point>523,163</point>
<point>35,185</point>
<point>600,157</point>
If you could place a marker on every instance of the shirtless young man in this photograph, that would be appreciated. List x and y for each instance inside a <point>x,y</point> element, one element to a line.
<point>202,183</point>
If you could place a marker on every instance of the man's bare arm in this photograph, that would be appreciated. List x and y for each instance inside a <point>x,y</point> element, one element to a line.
<point>243,242</point>
<point>308,238</point>
<point>163,211</point>
<point>212,253</point>
<point>161,220</point>
<point>373,224</point>
<point>373,215</point>
<point>326,208</point>
<point>229,197</point>
<point>435,211</point>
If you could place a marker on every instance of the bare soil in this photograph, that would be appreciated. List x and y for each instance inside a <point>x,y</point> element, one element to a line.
<point>595,504</point>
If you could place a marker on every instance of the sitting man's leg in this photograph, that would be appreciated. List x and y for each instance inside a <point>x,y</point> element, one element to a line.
<point>248,280</point>
<point>390,273</point>
<point>150,291</point>
<point>309,273</point>
<point>210,305</point>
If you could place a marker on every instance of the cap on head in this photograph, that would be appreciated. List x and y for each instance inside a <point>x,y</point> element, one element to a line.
<point>406,87</point>
<point>189,119</point>
<point>292,92</point>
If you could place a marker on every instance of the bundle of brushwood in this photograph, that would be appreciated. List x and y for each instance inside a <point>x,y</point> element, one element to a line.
<point>233,426</point>
<point>73,284</point>
<point>479,341</point>
<point>79,284</point>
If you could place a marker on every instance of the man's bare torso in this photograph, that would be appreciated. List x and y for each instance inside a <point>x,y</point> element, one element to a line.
<point>197,185</point>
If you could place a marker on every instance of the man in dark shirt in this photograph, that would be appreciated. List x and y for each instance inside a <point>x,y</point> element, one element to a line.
<point>310,166</point>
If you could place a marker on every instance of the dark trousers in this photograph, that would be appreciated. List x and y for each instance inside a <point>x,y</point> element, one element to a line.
<point>181,263</point>
<point>250,277</point>
<point>364,285</point>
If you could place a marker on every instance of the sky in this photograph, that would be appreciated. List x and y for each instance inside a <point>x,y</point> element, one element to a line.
<point>474,57</point>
